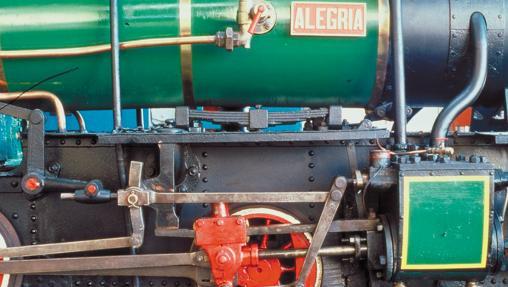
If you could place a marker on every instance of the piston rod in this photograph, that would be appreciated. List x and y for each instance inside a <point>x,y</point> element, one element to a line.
<point>342,251</point>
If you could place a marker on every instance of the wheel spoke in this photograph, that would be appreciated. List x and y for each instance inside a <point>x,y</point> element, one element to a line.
<point>288,269</point>
<point>264,241</point>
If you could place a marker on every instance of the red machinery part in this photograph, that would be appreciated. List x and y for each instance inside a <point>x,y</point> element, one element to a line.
<point>225,241</point>
<point>274,271</point>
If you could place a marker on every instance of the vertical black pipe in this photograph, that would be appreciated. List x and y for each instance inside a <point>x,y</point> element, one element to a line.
<point>475,86</point>
<point>140,119</point>
<point>115,65</point>
<point>399,73</point>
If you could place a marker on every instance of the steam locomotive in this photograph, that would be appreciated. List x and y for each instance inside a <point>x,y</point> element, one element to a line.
<point>183,203</point>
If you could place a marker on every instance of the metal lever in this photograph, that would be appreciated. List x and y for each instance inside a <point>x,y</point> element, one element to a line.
<point>325,221</point>
<point>135,211</point>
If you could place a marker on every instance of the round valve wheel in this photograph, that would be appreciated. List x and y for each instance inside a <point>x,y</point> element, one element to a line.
<point>8,238</point>
<point>274,271</point>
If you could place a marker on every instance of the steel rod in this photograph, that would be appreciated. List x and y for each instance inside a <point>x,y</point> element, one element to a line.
<point>325,251</point>
<point>76,264</point>
<point>400,77</point>
<point>475,86</point>
<point>115,64</point>
<point>66,247</point>
<point>126,198</point>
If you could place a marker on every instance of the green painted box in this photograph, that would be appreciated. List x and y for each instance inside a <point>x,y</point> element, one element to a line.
<point>445,222</point>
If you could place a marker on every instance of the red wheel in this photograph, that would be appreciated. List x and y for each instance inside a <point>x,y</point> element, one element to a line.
<point>272,272</point>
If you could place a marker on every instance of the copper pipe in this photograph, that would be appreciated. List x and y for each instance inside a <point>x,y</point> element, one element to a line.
<point>90,50</point>
<point>40,95</point>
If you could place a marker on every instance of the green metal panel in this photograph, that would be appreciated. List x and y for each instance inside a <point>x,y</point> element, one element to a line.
<point>279,70</point>
<point>11,154</point>
<point>446,223</point>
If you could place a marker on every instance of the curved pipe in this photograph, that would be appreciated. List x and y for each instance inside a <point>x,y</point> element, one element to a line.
<point>81,121</point>
<point>473,90</point>
<point>40,95</point>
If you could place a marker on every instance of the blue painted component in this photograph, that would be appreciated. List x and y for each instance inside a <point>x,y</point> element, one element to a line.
<point>97,121</point>
<point>296,127</point>
<point>11,153</point>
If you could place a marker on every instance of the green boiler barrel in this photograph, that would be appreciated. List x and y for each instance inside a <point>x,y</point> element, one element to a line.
<point>316,53</point>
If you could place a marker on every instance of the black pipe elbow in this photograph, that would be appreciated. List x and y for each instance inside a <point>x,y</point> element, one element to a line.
<point>475,87</point>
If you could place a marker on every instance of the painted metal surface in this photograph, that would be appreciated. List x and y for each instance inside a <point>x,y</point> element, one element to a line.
<point>10,145</point>
<point>279,69</point>
<point>446,222</point>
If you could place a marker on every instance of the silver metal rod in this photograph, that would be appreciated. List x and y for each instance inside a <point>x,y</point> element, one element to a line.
<point>400,76</point>
<point>76,264</point>
<point>475,86</point>
<point>325,251</point>
<point>115,64</point>
<point>126,198</point>
<point>325,221</point>
<point>66,247</point>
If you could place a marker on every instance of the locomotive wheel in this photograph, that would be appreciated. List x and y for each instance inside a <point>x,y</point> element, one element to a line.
<point>272,272</point>
<point>8,238</point>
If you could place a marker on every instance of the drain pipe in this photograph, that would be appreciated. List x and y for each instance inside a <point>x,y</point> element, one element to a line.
<point>475,87</point>
<point>400,76</point>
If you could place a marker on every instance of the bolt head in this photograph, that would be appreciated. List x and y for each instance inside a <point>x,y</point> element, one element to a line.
<point>222,259</point>
<point>219,222</point>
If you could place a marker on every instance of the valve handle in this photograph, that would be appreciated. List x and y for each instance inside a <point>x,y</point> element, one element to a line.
<point>256,18</point>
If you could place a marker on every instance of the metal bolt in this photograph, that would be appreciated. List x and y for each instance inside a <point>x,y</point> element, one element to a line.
<point>222,259</point>
<point>312,165</point>
<point>219,222</point>
<point>239,221</point>
<point>379,227</point>
<point>205,167</point>
<point>200,258</point>
<point>312,179</point>
<point>15,216</point>
<point>205,154</point>
<point>205,179</point>
<point>311,153</point>
<point>199,223</point>
<point>192,171</point>
<point>14,183</point>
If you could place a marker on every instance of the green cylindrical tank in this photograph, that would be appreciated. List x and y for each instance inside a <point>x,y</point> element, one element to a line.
<point>11,154</point>
<point>279,69</point>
